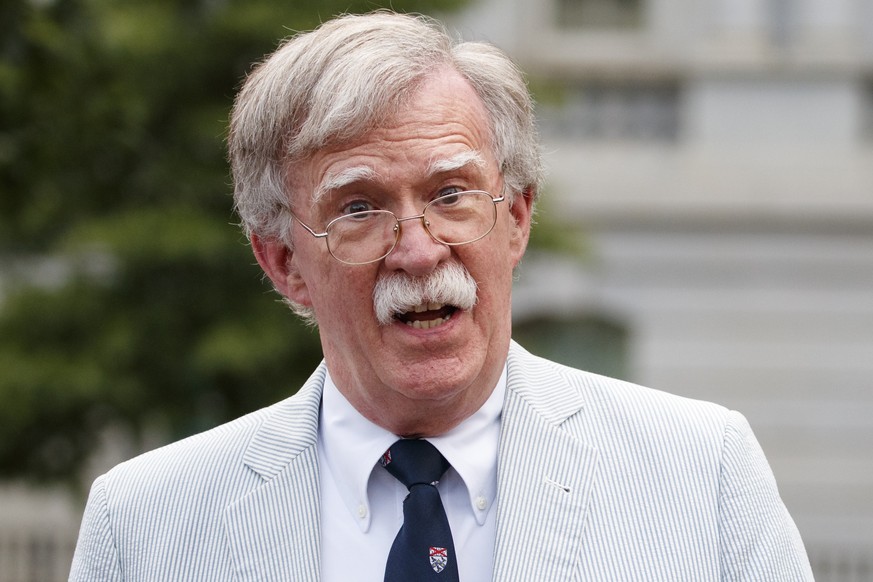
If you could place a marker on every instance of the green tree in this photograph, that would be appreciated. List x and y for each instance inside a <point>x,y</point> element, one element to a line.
<point>128,299</point>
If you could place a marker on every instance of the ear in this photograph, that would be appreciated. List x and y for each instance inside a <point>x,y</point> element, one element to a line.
<point>278,263</point>
<point>521,211</point>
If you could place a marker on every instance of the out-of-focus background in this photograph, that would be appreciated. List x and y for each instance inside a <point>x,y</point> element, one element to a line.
<point>706,229</point>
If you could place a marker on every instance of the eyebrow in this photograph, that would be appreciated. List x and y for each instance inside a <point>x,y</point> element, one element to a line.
<point>456,162</point>
<point>363,173</point>
<point>343,178</point>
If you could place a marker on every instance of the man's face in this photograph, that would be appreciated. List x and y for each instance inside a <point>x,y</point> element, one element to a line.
<point>411,380</point>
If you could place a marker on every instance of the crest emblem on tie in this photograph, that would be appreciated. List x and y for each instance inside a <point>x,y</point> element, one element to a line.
<point>439,557</point>
<point>385,459</point>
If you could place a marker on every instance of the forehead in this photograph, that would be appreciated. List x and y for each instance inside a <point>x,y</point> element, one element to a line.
<point>443,127</point>
<point>468,163</point>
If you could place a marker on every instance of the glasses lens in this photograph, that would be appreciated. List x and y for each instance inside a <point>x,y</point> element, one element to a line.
<point>362,237</point>
<point>461,218</point>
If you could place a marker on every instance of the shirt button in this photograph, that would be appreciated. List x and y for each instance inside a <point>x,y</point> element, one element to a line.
<point>481,503</point>
<point>362,511</point>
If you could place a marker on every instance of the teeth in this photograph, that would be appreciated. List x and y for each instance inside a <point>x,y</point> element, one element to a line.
<point>429,324</point>
<point>427,307</point>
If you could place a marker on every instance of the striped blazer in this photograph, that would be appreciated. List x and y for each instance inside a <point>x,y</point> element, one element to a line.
<point>598,480</point>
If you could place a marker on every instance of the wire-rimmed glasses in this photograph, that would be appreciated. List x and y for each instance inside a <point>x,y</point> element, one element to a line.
<point>366,237</point>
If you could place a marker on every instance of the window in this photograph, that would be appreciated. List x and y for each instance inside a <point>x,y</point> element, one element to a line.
<point>618,112</point>
<point>599,13</point>
<point>867,112</point>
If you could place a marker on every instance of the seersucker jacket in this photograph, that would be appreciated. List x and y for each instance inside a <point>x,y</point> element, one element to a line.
<point>598,480</point>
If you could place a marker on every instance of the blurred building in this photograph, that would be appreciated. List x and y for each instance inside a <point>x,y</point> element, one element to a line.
<point>716,156</point>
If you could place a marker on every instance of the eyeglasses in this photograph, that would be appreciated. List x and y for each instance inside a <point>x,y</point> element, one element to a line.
<point>366,237</point>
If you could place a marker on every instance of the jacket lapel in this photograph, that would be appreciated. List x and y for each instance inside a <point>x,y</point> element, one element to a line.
<point>274,531</point>
<point>545,474</point>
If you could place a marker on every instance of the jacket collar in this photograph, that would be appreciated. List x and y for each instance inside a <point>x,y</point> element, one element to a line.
<point>291,429</point>
<point>274,531</point>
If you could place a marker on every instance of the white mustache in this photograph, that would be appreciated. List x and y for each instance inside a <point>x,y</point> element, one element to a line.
<point>450,284</point>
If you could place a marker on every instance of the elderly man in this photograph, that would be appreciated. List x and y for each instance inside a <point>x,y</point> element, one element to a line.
<point>385,176</point>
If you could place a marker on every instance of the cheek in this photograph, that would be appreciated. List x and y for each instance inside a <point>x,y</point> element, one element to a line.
<point>340,292</point>
<point>509,244</point>
<point>491,267</point>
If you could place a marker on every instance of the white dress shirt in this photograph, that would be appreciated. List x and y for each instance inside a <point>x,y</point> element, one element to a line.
<point>362,504</point>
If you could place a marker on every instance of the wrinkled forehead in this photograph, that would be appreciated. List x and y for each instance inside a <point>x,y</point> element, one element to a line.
<point>441,128</point>
<point>466,161</point>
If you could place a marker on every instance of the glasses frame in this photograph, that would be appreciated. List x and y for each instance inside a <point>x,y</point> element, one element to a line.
<point>398,230</point>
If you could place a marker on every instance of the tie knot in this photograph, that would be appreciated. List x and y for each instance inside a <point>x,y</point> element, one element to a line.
<point>414,461</point>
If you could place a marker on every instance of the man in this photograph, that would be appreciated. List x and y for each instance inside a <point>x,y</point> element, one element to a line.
<point>386,177</point>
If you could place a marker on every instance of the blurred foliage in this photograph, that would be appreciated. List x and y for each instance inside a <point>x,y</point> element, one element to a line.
<point>550,235</point>
<point>129,298</point>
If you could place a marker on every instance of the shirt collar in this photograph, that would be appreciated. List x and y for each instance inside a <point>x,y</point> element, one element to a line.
<point>351,446</point>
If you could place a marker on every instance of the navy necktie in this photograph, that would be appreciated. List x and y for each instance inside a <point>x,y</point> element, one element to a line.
<point>423,549</point>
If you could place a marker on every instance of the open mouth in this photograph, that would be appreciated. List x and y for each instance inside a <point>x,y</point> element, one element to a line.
<point>427,315</point>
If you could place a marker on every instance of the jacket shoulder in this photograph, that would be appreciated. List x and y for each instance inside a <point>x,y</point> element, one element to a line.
<point>613,399</point>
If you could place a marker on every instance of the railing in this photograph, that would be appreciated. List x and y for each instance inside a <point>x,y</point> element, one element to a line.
<point>35,555</point>
<point>842,564</point>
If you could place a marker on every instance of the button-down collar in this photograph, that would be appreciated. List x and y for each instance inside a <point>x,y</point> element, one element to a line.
<point>351,445</point>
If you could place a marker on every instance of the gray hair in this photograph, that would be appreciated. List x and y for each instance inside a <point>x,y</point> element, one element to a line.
<point>335,83</point>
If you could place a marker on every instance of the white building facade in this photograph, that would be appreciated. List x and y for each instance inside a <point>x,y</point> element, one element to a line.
<point>717,158</point>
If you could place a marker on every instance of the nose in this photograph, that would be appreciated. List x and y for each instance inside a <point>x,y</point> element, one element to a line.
<point>416,252</point>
